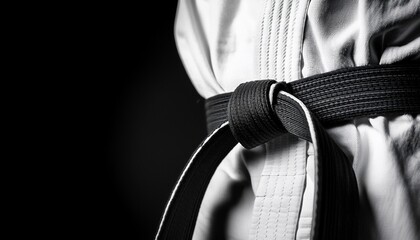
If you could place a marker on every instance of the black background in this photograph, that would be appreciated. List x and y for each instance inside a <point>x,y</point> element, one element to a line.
<point>138,116</point>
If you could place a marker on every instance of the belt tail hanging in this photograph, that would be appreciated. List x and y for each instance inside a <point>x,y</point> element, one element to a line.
<point>336,201</point>
<point>181,212</point>
<point>303,107</point>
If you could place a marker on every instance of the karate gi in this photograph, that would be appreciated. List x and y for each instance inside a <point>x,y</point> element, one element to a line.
<point>267,192</point>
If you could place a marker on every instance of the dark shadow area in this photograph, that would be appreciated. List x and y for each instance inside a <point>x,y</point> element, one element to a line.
<point>140,116</point>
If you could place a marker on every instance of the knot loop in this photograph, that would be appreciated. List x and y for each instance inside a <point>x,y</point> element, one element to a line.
<point>251,116</point>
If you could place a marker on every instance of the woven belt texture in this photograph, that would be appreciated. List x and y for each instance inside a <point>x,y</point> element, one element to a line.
<point>302,108</point>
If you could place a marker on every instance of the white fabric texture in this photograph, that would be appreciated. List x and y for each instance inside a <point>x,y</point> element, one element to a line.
<point>279,195</point>
<point>225,43</point>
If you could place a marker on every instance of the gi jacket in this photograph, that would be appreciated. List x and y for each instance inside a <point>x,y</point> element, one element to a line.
<point>267,192</point>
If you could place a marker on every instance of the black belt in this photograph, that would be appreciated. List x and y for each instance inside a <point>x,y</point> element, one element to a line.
<point>302,108</point>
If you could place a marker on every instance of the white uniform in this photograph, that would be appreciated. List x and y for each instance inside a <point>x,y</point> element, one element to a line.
<point>267,192</point>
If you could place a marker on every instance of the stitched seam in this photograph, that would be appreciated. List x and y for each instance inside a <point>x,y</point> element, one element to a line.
<point>276,45</point>
<point>259,219</point>
<point>273,193</point>
<point>293,36</point>
<point>264,197</point>
<point>260,212</point>
<point>270,26</point>
<point>287,143</point>
<point>290,37</point>
<point>262,39</point>
<point>271,201</point>
<point>286,33</point>
<point>279,210</point>
<point>293,183</point>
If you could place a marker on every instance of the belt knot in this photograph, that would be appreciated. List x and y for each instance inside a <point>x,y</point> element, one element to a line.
<point>251,116</point>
